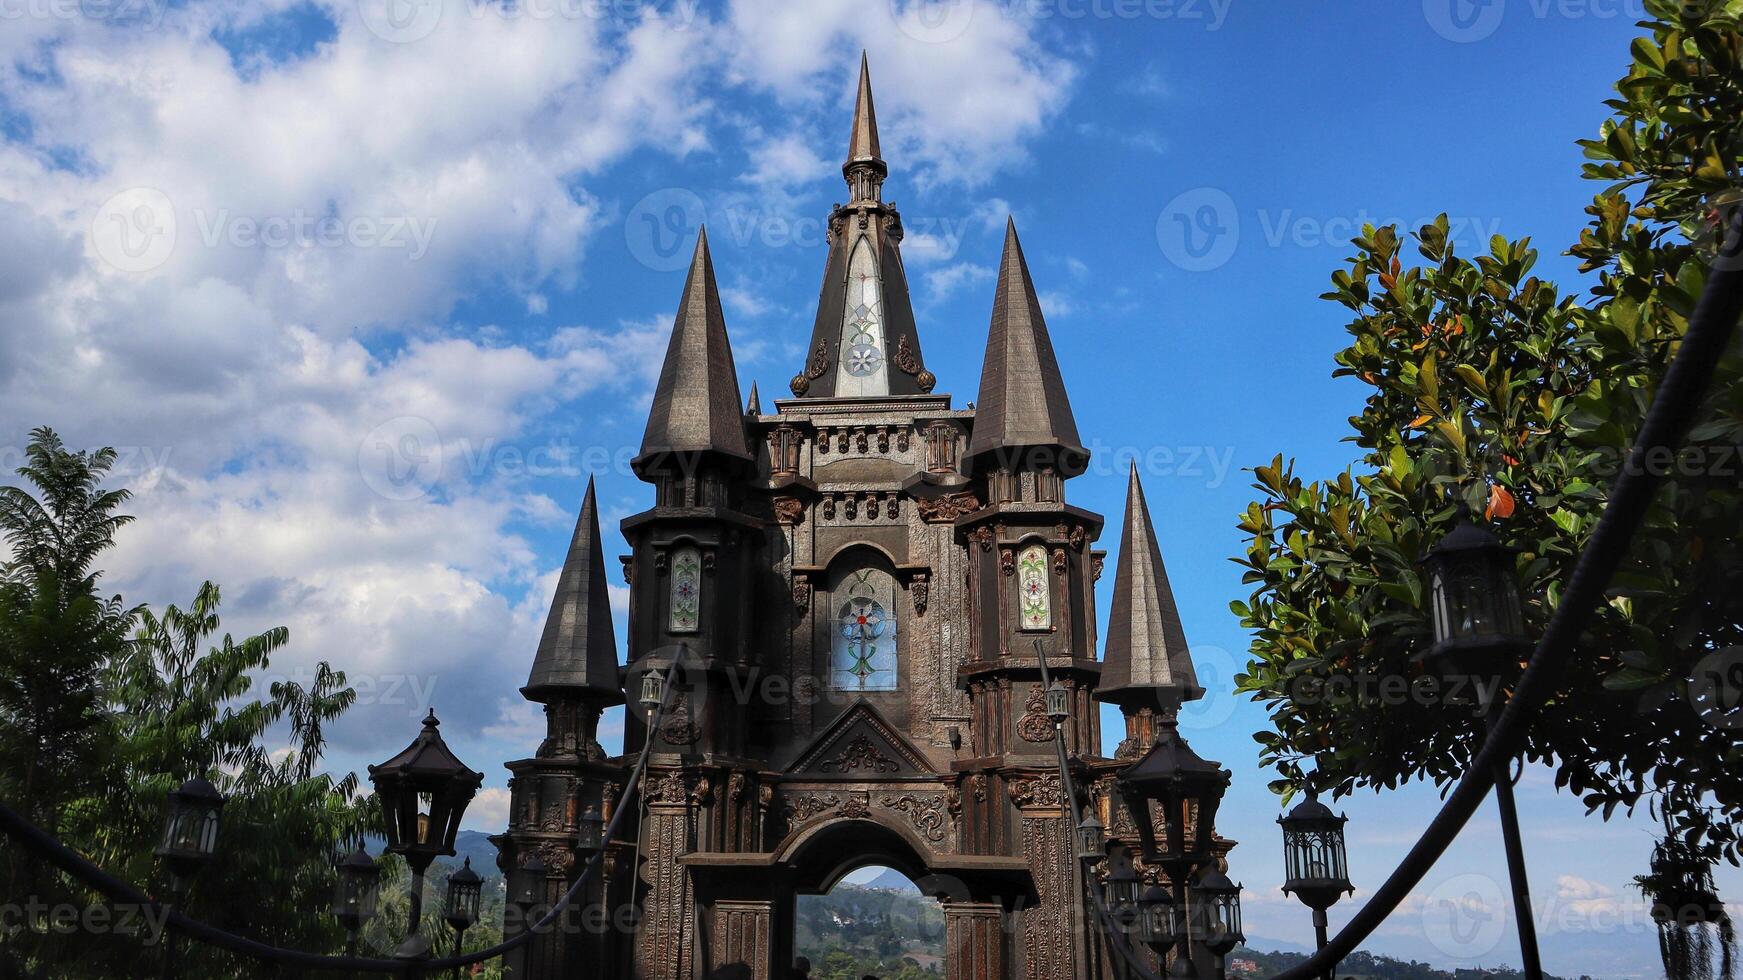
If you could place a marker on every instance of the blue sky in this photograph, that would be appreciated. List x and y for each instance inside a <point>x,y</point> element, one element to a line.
<point>512,200</point>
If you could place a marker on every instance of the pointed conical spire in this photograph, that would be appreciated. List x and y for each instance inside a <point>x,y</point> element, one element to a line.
<point>864,344</point>
<point>578,650</point>
<point>755,405</point>
<point>1146,650</point>
<point>696,404</point>
<point>1022,404</point>
<point>862,145</point>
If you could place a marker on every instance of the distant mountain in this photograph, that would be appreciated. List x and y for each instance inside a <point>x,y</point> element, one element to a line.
<point>477,846</point>
<point>467,844</point>
<point>892,881</point>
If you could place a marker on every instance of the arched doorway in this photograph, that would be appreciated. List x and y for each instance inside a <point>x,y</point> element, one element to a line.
<point>874,921</point>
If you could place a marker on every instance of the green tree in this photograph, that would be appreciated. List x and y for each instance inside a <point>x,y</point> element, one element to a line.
<point>97,727</point>
<point>56,633</point>
<point>1493,396</point>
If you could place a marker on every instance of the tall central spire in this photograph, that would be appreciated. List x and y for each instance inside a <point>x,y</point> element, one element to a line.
<point>863,344</point>
<point>865,169</point>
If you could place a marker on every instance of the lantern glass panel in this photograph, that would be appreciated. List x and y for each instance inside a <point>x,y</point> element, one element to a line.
<point>1475,594</point>
<point>1124,886</point>
<point>356,890</point>
<point>590,832</point>
<point>1091,842</point>
<point>1158,919</point>
<point>1058,702</point>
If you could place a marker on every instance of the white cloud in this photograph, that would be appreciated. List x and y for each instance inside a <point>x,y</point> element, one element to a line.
<point>304,423</point>
<point>956,106</point>
<point>488,811</point>
<point>943,283</point>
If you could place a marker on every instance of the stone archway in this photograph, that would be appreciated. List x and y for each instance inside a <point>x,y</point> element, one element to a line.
<point>746,908</point>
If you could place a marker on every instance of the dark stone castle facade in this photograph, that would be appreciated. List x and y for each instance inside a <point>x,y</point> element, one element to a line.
<point>857,586</point>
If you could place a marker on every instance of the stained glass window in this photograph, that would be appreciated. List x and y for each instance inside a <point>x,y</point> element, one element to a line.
<point>864,363</point>
<point>686,614</point>
<point>863,648</point>
<point>1034,591</point>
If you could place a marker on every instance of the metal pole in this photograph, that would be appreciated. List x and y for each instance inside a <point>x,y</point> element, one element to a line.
<point>459,936</point>
<point>1522,912</point>
<point>1319,930</point>
<point>417,901</point>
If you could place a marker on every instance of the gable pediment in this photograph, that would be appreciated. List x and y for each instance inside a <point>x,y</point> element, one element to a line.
<point>861,745</point>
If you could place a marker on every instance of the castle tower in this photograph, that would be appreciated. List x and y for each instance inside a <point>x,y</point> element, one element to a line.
<point>855,590</point>
<point>1147,670</point>
<point>575,677</point>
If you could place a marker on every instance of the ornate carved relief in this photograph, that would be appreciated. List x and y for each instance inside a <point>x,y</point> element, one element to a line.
<point>1040,790</point>
<point>921,591</point>
<point>801,594</point>
<point>1035,726</point>
<point>814,369</point>
<point>680,728</point>
<point>789,511</point>
<point>946,509</point>
<point>860,754</point>
<point>925,812</point>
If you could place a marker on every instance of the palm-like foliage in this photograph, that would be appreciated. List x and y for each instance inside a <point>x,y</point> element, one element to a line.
<point>96,728</point>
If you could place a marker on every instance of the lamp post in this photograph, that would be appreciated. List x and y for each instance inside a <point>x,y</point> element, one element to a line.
<point>1479,633</point>
<point>1173,783</point>
<point>460,906</point>
<point>1315,861</point>
<point>356,887</point>
<point>1220,905</point>
<point>190,838</point>
<point>424,791</point>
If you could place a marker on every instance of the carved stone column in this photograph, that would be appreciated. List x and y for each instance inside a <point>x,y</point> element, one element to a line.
<point>1049,929</point>
<point>975,937</point>
<point>741,936</point>
<point>664,941</point>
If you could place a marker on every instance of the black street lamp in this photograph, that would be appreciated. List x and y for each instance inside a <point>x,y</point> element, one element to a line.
<point>190,830</point>
<point>460,907</point>
<point>1315,862</point>
<point>355,890</point>
<point>1092,843</point>
<point>1174,783</point>
<point>1220,901</point>
<point>590,831</point>
<point>1158,923</point>
<point>1479,635</point>
<point>1125,889</point>
<point>1479,625</point>
<point>190,838</point>
<point>1058,703</point>
<point>529,883</point>
<point>424,791</point>
<point>1175,786</point>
